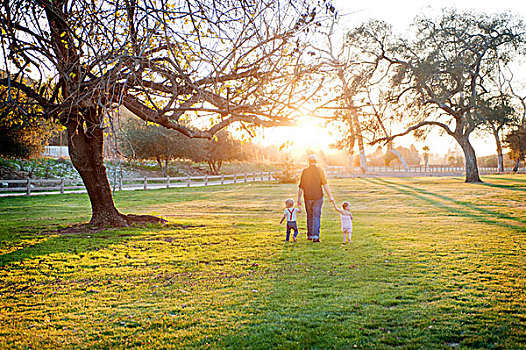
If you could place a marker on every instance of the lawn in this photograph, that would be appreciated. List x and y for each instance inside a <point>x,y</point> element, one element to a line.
<point>435,264</point>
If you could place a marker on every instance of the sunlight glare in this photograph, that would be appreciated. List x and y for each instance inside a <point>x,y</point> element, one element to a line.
<point>308,136</point>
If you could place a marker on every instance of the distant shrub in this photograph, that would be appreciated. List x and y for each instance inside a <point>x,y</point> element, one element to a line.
<point>289,173</point>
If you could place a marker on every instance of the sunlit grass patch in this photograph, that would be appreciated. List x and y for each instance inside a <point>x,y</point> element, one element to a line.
<point>434,264</point>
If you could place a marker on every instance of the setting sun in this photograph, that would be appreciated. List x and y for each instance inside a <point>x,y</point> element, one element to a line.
<point>310,135</point>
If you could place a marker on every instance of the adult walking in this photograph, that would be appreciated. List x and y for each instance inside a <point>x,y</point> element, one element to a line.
<point>312,183</point>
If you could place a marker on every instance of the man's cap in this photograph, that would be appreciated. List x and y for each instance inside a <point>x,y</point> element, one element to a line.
<point>312,158</point>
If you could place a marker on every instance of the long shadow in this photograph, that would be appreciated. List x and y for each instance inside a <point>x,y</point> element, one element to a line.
<point>72,244</point>
<point>462,203</point>
<point>462,212</point>
<point>512,179</point>
<point>506,187</point>
<point>75,243</point>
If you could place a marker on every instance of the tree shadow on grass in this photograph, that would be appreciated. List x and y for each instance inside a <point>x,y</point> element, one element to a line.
<point>67,244</point>
<point>419,193</point>
<point>77,239</point>
<point>511,179</point>
<point>506,187</point>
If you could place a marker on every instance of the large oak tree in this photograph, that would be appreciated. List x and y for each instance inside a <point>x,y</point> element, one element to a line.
<point>220,62</point>
<point>442,74</point>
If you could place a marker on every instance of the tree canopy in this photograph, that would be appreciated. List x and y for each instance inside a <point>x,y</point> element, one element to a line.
<point>441,77</point>
<point>192,66</point>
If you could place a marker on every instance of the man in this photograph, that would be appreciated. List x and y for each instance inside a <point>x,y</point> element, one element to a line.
<point>311,183</point>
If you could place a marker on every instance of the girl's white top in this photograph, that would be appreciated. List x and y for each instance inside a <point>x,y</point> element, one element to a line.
<point>291,214</point>
<point>346,221</point>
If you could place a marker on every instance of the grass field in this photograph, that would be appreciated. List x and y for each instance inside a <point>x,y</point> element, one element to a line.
<point>435,264</point>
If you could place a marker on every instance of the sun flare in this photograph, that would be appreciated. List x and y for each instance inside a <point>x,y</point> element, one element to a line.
<point>310,135</point>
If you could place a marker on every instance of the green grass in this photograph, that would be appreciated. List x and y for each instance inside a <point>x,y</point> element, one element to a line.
<point>434,264</point>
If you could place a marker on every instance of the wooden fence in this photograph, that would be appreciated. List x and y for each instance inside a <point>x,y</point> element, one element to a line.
<point>60,186</point>
<point>412,171</point>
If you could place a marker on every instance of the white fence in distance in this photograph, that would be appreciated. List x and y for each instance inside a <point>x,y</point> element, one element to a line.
<point>60,186</point>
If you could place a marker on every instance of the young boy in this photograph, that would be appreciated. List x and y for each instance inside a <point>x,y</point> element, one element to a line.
<point>346,219</point>
<point>290,215</point>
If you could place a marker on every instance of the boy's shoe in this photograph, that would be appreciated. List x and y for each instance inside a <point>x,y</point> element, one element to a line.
<point>294,239</point>
<point>315,240</point>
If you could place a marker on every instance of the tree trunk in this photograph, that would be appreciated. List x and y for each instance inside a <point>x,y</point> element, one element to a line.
<point>470,159</point>
<point>212,166</point>
<point>86,152</point>
<point>500,156</point>
<point>361,148</point>
<point>399,155</point>
<point>163,170</point>
<point>516,166</point>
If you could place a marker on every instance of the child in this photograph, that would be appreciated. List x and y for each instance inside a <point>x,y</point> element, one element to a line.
<point>346,218</point>
<point>290,215</point>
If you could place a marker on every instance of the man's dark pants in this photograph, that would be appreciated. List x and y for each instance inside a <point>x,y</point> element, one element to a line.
<point>313,209</point>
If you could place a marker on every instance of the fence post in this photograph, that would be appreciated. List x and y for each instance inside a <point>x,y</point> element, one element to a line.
<point>261,176</point>
<point>188,181</point>
<point>206,180</point>
<point>270,175</point>
<point>168,182</point>
<point>235,178</point>
<point>145,183</point>
<point>254,176</point>
<point>28,189</point>
<point>120,182</point>
<point>245,177</point>
<point>62,181</point>
<point>222,179</point>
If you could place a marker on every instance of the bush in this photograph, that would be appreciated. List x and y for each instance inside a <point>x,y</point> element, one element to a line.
<point>289,173</point>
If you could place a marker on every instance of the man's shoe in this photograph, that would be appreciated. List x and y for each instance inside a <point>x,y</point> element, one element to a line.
<point>315,240</point>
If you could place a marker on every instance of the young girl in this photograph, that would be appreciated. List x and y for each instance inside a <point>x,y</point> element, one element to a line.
<point>290,215</point>
<point>346,218</point>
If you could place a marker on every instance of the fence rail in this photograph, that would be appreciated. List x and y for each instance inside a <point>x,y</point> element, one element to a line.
<point>60,186</point>
<point>413,171</point>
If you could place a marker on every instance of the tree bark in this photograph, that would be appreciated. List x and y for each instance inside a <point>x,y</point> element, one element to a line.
<point>500,156</point>
<point>85,144</point>
<point>163,170</point>
<point>85,150</point>
<point>470,159</point>
<point>399,155</point>
<point>361,148</point>
<point>516,166</point>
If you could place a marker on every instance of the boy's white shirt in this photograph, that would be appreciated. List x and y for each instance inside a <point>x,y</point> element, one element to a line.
<point>291,216</point>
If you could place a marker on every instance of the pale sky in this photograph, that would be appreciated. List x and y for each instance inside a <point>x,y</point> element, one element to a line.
<point>400,14</point>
